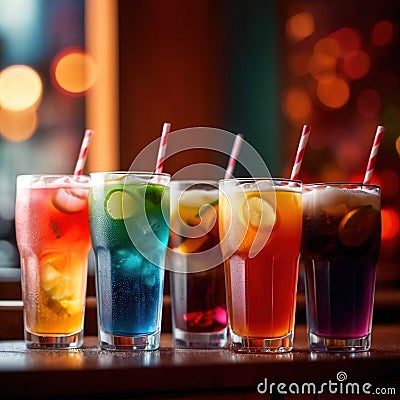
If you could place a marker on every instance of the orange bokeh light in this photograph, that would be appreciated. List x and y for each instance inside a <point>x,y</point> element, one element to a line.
<point>18,126</point>
<point>382,33</point>
<point>398,145</point>
<point>390,223</point>
<point>329,46</point>
<point>333,93</point>
<point>356,64</point>
<point>74,71</point>
<point>300,26</point>
<point>297,104</point>
<point>322,66</point>
<point>20,88</point>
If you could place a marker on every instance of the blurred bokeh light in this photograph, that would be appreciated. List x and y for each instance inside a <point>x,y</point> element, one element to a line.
<point>20,88</point>
<point>74,71</point>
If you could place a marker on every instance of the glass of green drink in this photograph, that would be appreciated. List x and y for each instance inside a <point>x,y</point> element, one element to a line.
<point>129,223</point>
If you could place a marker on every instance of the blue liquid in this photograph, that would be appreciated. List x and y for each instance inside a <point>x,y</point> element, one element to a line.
<point>130,289</point>
<point>129,286</point>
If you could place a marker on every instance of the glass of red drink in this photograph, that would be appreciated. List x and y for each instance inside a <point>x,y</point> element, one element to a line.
<point>260,234</point>
<point>199,316</point>
<point>340,248</point>
<point>52,228</point>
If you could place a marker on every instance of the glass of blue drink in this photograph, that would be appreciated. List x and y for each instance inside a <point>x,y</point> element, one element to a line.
<point>129,224</point>
<point>340,249</point>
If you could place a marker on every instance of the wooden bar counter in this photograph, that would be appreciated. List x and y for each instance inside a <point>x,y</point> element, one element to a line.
<point>199,374</point>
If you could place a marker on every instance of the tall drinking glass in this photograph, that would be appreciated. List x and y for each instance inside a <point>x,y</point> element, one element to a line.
<point>52,229</point>
<point>129,224</point>
<point>340,248</point>
<point>199,316</point>
<point>260,231</point>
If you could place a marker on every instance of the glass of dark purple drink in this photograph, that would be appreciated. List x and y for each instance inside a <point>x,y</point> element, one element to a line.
<point>340,248</point>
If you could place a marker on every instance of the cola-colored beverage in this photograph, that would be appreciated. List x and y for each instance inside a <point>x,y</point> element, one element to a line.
<point>340,248</point>
<point>199,315</point>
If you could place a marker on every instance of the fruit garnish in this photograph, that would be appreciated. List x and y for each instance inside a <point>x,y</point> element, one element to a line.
<point>191,245</point>
<point>71,306</point>
<point>357,226</point>
<point>58,288</point>
<point>70,200</point>
<point>258,212</point>
<point>119,204</point>
<point>206,319</point>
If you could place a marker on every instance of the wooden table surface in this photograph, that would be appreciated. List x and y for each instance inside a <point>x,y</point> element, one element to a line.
<point>199,374</point>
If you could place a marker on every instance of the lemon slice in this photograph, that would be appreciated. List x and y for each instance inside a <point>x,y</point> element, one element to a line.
<point>119,204</point>
<point>357,225</point>
<point>258,212</point>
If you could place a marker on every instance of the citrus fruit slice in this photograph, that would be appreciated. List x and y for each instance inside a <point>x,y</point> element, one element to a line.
<point>357,226</point>
<point>119,204</point>
<point>70,200</point>
<point>71,306</point>
<point>258,212</point>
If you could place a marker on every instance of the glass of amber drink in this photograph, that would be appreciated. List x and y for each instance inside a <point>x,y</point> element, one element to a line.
<point>52,228</point>
<point>260,224</point>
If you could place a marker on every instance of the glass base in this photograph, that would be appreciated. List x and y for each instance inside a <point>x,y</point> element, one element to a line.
<point>207,340</point>
<point>108,341</point>
<point>322,344</point>
<point>241,344</point>
<point>72,341</point>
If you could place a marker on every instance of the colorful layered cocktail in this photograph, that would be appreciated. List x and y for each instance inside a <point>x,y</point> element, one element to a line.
<point>129,223</point>
<point>53,239</point>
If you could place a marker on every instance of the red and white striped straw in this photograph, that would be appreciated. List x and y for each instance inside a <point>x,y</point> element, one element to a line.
<point>300,152</point>
<point>233,157</point>
<point>80,164</point>
<point>374,151</point>
<point>163,147</point>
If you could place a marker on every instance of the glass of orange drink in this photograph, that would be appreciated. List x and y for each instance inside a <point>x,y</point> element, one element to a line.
<point>260,222</point>
<point>52,228</point>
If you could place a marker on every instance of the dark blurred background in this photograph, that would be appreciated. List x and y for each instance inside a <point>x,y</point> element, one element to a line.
<point>260,68</point>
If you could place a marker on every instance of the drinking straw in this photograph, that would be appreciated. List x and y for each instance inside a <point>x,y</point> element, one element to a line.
<point>163,147</point>
<point>300,152</point>
<point>374,151</point>
<point>233,157</point>
<point>83,152</point>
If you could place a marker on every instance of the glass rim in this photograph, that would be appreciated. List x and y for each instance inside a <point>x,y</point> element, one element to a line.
<point>194,181</point>
<point>60,175</point>
<point>138,173</point>
<point>258,179</point>
<point>337,184</point>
